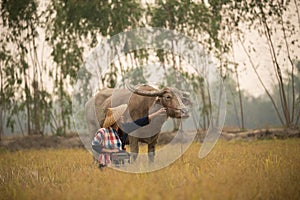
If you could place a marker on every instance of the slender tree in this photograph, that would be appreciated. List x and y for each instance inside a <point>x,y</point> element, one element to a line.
<point>70,25</point>
<point>202,23</point>
<point>268,19</point>
<point>21,22</point>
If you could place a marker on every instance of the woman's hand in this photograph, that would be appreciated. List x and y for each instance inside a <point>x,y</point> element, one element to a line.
<point>161,111</point>
<point>115,150</point>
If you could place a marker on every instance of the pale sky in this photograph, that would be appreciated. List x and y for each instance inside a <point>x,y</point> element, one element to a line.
<point>262,58</point>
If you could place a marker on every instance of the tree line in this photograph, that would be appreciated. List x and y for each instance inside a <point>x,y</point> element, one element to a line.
<point>36,88</point>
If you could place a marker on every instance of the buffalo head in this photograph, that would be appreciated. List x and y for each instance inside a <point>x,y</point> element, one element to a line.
<point>173,99</point>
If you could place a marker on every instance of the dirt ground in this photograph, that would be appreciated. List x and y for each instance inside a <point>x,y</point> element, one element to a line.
<point>73,140</point>
<point>69,141</point>
<point>40,142</point>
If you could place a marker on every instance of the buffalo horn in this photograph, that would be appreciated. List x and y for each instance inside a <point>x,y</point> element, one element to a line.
<point>152,93</point>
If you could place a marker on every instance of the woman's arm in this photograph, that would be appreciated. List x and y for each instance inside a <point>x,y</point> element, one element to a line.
<point>132,126</point>
<point>106,150</point>
<point>161,111</point>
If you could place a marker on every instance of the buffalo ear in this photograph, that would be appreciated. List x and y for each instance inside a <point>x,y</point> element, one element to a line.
<point>164,91</point>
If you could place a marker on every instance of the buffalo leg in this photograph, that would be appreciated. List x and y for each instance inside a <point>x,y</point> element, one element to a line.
<point>134,146</point>
<point>151,147</point>
<point>151,153</point>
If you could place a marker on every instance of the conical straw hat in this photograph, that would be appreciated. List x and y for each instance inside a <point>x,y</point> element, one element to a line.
<point>113,115</point>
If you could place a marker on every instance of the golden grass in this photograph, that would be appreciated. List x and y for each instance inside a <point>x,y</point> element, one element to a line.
<point>267,169</point>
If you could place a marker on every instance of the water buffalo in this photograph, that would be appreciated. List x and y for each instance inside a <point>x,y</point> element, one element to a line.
<point>141,101</point>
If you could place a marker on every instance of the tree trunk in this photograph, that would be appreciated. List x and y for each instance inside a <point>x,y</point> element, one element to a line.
<point>1,121</point>
<point>240,98</point>
<point>235,107</point>
<point>62,129</point>
<point>36,104</point>
<point>205,113</point>
<point>292,73</point>
<point>298,117</point>
<point>27,102</point>
<point>261,82</point>
<point>2,102</point>
<point>278,72</point>
<point>209,106</point>
<point>298,15</point>
<point>20,125</point>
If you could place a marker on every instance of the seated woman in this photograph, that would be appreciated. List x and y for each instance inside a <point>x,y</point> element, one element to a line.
<point>107,140</point>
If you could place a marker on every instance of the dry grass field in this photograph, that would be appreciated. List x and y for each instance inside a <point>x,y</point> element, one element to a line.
<point>261,169</point>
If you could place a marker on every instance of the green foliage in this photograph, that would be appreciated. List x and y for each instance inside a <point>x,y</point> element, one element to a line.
<point>74,26</point>
<point>268,19</point>
<point>188,17</point>
<point>20,88</point>
<point>17,15</point>
<point>136,76</point>
<point>69,24</point>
